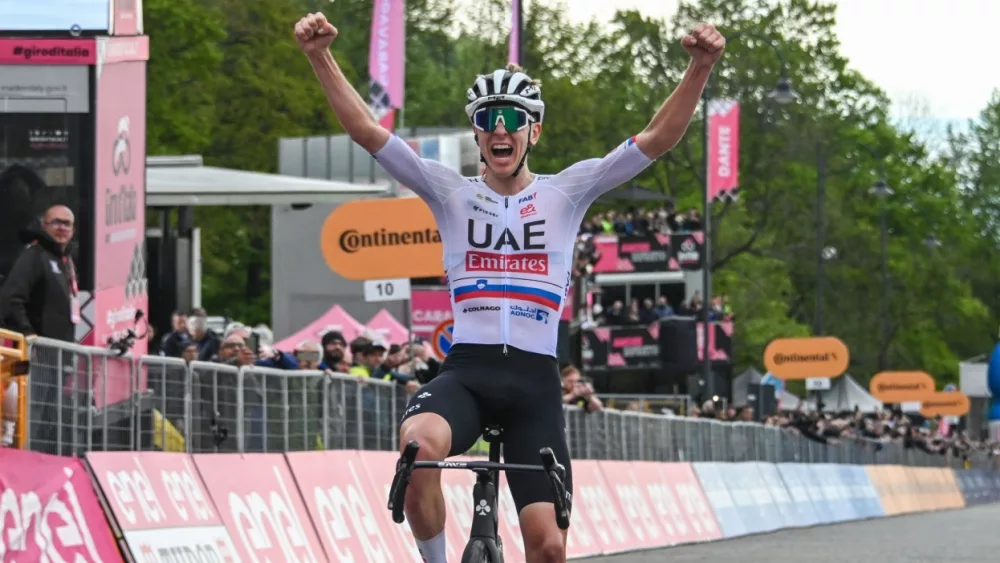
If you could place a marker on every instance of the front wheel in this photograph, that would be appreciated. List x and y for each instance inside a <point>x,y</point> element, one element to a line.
<point>479,551</point>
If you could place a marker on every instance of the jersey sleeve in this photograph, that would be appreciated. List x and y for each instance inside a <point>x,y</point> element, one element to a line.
<point>587,180</point>
<point>429,179</point>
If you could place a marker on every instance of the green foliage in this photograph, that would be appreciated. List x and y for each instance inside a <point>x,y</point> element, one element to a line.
<point>226,81</point>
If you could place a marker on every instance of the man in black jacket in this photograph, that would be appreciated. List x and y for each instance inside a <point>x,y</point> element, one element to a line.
<point>39,298</point>
<point>39,295</point>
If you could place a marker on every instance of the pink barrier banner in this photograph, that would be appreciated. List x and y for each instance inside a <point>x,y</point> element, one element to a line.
<point>602,511</point>
<point>49,511</point>
<point>258,501</point>
<point>723,149</point>
<point>380,469</point>
<point>677,501</point>
<point>341,501</point>
<point>650,529</point>
<point>160,506</point>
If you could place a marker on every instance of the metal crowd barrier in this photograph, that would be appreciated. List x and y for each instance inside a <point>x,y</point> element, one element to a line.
<point>87,399</point>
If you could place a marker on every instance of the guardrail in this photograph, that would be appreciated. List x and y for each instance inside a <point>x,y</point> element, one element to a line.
<point>83,399</point>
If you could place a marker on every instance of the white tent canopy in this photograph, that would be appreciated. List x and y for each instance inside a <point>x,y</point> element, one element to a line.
<point>182,180</point>
<point>845,394</point>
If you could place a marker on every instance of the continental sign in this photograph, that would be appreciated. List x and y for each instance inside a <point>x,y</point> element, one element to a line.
<point>803,358</point>
<point>945,403</point>
<point>901,386</point>
<point>382,238</point>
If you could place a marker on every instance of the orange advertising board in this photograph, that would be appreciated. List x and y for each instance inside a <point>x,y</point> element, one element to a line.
<point>375,239</point>
<point>802,358</point>
<point>901,386</point>
<point>945,403</point>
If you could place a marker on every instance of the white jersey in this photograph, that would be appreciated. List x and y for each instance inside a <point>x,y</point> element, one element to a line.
<point>509,258</point>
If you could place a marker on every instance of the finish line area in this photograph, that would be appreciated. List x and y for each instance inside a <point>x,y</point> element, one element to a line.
<point>968,535</point>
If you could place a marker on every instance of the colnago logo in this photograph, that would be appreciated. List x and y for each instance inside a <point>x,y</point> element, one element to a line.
<point>536,263</point>
<point>533,313</point>
<point>481,309</point>
<point>69,52</point>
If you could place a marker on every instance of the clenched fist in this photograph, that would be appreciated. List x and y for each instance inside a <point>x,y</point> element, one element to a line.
<point>704,44</point>
<point>314,33</point>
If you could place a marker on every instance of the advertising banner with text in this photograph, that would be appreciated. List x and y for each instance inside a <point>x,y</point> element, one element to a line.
<point>648,253</point>
<point>50,512</point>
<point>160,508</point>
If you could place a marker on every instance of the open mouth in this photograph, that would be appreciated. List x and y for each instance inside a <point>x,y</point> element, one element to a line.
<point>502,152</point>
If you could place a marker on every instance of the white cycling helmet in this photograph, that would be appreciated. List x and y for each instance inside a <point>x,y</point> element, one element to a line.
<point>506,87</point>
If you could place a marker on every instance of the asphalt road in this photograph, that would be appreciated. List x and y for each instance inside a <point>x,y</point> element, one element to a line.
<point>967,535</point>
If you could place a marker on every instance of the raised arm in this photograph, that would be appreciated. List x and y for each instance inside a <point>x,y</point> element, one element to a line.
<point>705,45</point>
<point>315,34</point>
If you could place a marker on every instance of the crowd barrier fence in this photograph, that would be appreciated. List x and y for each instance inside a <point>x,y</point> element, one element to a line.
<point>81,399</point>
<point>330,505</point>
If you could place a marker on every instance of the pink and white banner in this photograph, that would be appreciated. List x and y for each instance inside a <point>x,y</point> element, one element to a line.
<point>161,507</point>
<point>49,511</point>
<point>723,149</point>
<point>386,65</point>
<point>431,307</point>
<point>514,51</point>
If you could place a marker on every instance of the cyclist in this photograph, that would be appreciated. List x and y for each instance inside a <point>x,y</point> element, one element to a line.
<point>508,240</point>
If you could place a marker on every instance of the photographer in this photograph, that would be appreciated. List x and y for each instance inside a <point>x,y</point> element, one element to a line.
<point>579,391</point>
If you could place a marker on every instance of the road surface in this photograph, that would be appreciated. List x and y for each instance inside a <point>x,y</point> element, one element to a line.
<point>970,535</point>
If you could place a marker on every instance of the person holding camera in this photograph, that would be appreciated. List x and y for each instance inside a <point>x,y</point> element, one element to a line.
<point>579,391</point>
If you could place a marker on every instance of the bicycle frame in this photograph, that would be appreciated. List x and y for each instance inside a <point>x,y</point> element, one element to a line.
<point>484,492</point>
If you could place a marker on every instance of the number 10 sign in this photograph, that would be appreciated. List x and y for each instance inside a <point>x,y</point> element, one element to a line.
<point>387,290</point>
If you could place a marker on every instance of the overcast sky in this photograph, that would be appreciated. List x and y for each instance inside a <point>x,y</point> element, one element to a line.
<point>941,52</point>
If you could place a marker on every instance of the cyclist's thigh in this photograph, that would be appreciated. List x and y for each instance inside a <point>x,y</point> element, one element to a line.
<point>448,397</point>
<point>534,422</point>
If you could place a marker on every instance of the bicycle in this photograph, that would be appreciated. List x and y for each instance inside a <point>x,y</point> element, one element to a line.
<point>485,545</point>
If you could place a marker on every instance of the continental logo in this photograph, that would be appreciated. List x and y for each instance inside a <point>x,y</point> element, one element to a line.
<point>901,386</point>
<point>352,241</point>
<point>382,238</point>
<point>945,403</point>
<point>803,358</point>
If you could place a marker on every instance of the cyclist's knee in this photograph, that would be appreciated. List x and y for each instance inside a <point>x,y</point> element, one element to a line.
<point>542,537</point>
<point>429,430</point>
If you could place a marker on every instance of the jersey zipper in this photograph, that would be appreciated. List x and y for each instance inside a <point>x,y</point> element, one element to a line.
<point>504,316</point>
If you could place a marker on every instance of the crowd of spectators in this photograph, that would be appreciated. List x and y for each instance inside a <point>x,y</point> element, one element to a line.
<point>664,220</point>
<point>646,312</point>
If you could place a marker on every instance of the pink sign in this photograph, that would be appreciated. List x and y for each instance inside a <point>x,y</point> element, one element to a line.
<point>431,307</point>
<point>126,17</point>
<point>161,506</point>
<point>648,527</point>
<point>335,487</point>
<point>112,50</point>
<point>723,148</point>
<point>388,328</point>
<point>385,59</point>
<point>258,500</point>
<point>23,51</point>
<point>120,206</point>
<point>49,511</point>
<point>336,319</point>
<point>593,498</point>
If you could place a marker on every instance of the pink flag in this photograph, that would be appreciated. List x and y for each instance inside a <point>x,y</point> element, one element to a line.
<point>385,60</point>
<point>514,52</point>
<point>723,149</point>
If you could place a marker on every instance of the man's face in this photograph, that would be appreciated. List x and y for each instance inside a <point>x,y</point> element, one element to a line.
<point>59,224</point>
<point>373,358</point>
<point>336,348</point>
<point>231,346</point>
<point>179,322</point>
<point>570,381</point>
<point>504,146</point>
<point>190,353</point>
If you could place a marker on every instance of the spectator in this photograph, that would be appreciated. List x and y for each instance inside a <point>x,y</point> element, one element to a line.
<point>647,314</point>
<point>175,341</point>
<point>578,391</point>
<point>386,371</point>
<point>39,298</point>
<point>693,221</point>
<point>334,347</point>
<point>190,352</point>
<point>308,355</point>
<point>420,364</point>
<point>663,309</point>
<point>205,338</point>
<point>367,356</point>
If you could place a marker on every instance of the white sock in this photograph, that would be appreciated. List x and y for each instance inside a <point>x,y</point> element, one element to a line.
<point>433,550</point>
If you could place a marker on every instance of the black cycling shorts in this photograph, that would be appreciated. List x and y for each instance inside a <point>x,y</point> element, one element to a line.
<point>522,392</point>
